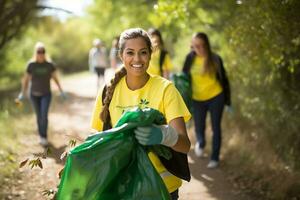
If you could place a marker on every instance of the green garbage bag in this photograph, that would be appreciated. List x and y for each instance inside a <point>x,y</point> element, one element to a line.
<point>113,165</point>
<point>182,82</point>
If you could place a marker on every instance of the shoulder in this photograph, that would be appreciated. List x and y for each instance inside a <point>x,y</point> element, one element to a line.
<point>50,64</point>
<point>31,63</point>
<point>93,50</point>
<point>216,57</point>
<point>163,52</point>
<point>160,81</point>
<point>162,85</point>
<point>191,54</point>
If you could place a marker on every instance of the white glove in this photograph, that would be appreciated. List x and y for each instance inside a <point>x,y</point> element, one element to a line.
<point>156,134</point>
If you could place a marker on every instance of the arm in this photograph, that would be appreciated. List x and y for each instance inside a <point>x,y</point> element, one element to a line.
<point>188,62</point>
<point>55,78</point>
<point>183,143</point>
<point>25,81</point>
<point>225,83</point>
<point>174,134</point>
<point>90,60</point>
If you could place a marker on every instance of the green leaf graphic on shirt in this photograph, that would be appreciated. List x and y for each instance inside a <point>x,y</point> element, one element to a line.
<point>40,71</point>
<point>143,103</point>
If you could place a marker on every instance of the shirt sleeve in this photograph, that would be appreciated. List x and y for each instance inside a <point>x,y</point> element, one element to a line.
<point>52,67</point>
<point>29,68</point>
<point>174,105</point>
<point>96,122</point>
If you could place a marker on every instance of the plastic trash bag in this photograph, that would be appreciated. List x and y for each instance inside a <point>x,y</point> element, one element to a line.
<point>112,165</point>
<point>182,82</point>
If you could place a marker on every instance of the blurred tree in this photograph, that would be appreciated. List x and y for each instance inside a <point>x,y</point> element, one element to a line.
<point>14,15</point>
<point>110,18</point>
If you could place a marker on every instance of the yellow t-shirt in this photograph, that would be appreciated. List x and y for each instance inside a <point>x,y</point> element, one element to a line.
<point>158,93</point>
<point>154,63</point>
<point>204,85</point>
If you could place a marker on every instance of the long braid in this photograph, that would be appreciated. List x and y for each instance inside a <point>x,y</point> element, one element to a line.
<point>105,115</point>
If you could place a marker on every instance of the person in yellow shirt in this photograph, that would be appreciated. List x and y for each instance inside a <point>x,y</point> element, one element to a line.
<point>210,92</point>
<point>132,86</point>
<point>160,63</point>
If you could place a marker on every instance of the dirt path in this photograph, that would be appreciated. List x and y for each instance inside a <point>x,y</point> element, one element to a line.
<point>70,119</point>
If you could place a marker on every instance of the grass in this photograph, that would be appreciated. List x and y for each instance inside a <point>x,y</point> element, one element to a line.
<point>254,164</point>
<point>13,124</point>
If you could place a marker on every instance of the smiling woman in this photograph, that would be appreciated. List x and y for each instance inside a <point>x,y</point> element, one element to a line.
<point>134,87</point>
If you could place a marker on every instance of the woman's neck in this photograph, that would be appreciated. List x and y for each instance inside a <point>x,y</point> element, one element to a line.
<point>136,82</point>
<point>40,60</point>
<point>201,56</point>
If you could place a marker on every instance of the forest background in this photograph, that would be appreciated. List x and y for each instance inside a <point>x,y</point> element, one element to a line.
<point>258,40</point>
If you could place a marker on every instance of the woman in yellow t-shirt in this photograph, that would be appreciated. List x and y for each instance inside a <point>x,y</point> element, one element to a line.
<point>210,92</point>
<point>160,63</point>
<point>133,86</point>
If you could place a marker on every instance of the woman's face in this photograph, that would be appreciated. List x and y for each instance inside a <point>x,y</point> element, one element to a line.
<point>136,57</point>
<point>198,46</point>
<point>40,54</point>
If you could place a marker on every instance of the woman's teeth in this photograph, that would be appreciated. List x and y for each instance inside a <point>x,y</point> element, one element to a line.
<point>137,66</point>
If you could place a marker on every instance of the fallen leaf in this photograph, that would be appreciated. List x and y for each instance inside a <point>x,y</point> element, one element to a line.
<point>23,163</point>
<point>60,173</point>
<point>63,155</point>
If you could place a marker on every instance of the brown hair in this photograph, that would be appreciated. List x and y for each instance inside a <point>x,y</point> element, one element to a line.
<point>209,63</point>
<point>125,35</point>
<point>153,31</point>
<point>105,115</point>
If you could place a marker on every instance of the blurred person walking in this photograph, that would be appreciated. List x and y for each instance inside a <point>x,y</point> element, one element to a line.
<point>98,60</point>
<point>40,70</point>
<point>115,61</point>
<point>210,92</point>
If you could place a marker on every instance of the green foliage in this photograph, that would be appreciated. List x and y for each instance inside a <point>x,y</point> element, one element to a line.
<point>71,45</point>
<point>9,135</point>
<point>258,40</point>
<point>14,16</point>
<point>110,18</point>
<point>266,84</point>
<point>66,45</point>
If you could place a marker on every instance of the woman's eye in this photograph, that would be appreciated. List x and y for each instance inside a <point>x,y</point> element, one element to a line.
<point>144,52</point>
<point>129,53</point>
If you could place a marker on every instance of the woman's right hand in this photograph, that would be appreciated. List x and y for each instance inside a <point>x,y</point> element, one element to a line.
<point>19,99</point>
<point>20,96</point>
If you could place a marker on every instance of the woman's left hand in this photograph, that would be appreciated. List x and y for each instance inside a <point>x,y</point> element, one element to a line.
<point>63,95</point>
<point>155,134</point>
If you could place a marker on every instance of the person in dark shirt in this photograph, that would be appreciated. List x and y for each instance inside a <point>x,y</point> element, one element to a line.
<point>40,70</point>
